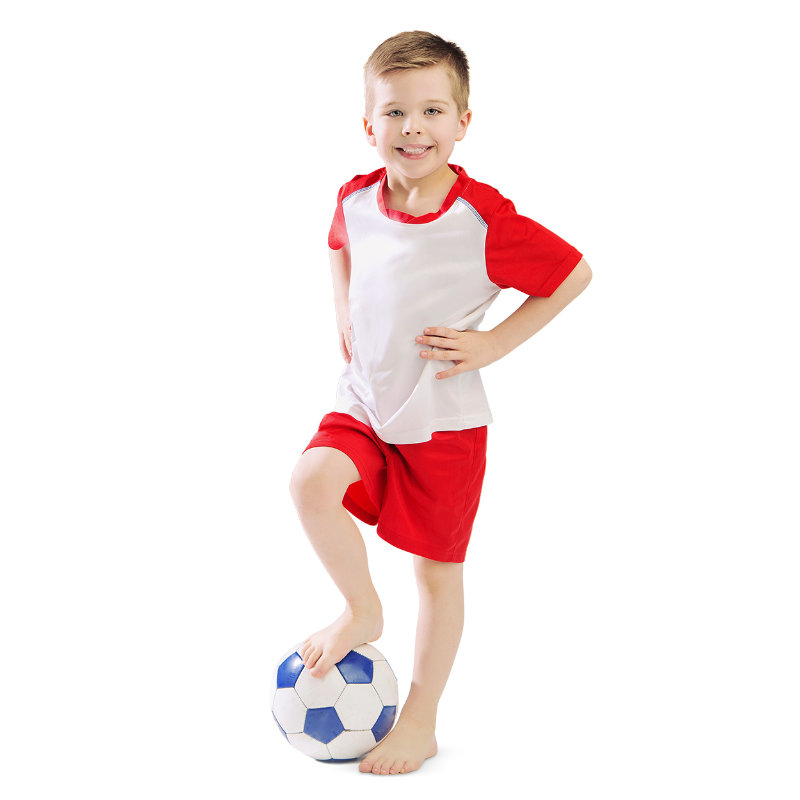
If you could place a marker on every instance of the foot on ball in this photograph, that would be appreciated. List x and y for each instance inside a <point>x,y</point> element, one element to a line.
<point>330,645</point>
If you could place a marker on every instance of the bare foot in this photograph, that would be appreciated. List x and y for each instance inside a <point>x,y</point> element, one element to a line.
<point>403,750</point>
<point>330,645</point>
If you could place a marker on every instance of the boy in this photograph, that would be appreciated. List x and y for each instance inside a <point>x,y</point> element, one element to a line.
<point>418,252</point>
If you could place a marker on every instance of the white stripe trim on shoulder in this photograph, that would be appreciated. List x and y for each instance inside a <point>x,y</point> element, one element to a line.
<point>358,191</point>
<point>472,209</point>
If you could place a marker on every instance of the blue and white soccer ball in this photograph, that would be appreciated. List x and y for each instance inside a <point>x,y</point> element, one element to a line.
<point>341,716</point>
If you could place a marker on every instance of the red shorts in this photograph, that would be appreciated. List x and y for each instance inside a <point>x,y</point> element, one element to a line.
<point>423,497</point>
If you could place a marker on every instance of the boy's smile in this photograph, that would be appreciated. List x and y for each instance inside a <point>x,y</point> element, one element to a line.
<point>415,124</point>
<point>414,152</point>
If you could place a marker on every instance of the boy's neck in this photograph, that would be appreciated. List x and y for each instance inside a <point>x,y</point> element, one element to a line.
<point>418,196</point>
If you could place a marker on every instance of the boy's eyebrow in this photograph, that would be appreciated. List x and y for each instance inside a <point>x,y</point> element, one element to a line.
<point>397,103</point>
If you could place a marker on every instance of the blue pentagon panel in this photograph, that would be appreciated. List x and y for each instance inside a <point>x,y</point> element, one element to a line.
<point>289,671</point>
<point>384,723</point>
<point>323,724</point>
<point>356,668</point>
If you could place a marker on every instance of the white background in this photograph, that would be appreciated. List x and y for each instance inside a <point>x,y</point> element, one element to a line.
<point>168,347</point>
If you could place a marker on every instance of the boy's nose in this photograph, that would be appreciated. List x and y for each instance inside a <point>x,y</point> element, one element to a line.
<point>413,125</point>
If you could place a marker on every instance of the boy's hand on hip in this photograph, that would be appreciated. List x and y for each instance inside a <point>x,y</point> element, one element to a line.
<point>469,349</point>
<point>345,331</point>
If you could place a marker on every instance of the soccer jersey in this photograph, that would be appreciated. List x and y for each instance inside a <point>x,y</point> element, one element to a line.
<point>442,269</point>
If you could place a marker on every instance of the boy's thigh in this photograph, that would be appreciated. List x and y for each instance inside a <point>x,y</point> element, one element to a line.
<point>361,481</point>
<point>328,467</point>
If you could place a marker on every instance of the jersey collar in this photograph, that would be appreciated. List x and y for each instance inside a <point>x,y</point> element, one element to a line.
<point>400,216</point>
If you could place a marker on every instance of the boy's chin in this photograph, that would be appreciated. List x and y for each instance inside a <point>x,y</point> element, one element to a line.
<point>417,168</point>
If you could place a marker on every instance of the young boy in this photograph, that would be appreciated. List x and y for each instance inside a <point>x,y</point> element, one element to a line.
<point>418,252</point>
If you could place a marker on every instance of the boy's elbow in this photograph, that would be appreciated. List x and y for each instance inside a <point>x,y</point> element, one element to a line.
<point>583,273</point>
<point>577,280</point>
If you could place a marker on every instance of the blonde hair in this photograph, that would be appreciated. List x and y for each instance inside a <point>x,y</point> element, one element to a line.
<point>414,50</point>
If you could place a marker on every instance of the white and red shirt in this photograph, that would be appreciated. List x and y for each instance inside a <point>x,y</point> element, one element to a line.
<point>442,269</point>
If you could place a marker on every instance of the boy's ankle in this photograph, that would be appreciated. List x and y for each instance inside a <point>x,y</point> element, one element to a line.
<point>419,712</point>
<point>368,607</point>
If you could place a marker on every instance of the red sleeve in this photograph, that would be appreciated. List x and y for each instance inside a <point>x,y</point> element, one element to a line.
<point>525,255</point>
<point>337,236</point>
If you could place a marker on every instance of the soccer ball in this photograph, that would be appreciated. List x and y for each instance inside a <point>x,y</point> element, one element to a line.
<point>341,716</point>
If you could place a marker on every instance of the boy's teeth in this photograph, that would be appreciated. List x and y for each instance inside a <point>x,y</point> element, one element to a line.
<point>415,151</point>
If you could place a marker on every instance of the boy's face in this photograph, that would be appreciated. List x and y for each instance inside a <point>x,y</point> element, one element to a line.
<point>415,121</point>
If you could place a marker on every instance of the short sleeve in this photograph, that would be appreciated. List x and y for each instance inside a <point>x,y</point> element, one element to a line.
<point>337,236</point>
<point>523,254</point>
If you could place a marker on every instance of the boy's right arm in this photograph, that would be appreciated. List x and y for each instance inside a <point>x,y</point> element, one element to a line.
<point>340,273</point>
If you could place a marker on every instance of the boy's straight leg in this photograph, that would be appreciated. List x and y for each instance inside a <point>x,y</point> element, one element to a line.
<point>439,627</point>
<point>319,481</point>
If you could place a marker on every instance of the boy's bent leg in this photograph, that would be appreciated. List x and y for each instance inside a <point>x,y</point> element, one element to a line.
<point>318,483</point>
<point>439,627</point>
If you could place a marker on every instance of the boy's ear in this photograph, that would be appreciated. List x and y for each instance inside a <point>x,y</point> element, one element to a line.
<point>368,131</point>
<point>463,124</point>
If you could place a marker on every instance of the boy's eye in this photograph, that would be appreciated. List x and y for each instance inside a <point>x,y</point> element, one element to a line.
<point>396,112</point>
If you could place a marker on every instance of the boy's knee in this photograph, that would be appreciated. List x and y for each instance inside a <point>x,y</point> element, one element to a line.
<point>438,575</point>
<point>314,489</point>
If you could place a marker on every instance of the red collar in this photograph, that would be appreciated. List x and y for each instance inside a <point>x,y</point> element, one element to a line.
<point>400,216</point>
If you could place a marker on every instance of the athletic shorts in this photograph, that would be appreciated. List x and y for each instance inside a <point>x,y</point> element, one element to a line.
<point>423,497</point>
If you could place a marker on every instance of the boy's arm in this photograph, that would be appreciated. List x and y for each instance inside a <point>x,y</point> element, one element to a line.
<point>475,349</point>
<point>536,312</point>
<point>340,274</point>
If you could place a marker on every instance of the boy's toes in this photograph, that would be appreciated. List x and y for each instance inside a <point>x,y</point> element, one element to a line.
<point>365,766</point>
<point>321,666</point>
<point>311,658</point>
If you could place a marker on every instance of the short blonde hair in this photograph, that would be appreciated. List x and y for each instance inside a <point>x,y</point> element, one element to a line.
<point>414,50</point>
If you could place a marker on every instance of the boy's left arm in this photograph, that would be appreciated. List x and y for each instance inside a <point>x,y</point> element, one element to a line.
<point>476,349</point>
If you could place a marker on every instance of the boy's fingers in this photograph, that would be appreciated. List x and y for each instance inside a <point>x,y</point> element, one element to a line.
<point>439,331</point>
<point>437,341</point>
<point>447,373</point>
<point>441,355</point>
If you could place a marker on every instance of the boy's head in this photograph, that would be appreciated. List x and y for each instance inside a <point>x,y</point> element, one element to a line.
<point>416,93</point>
<point>414,50</point>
